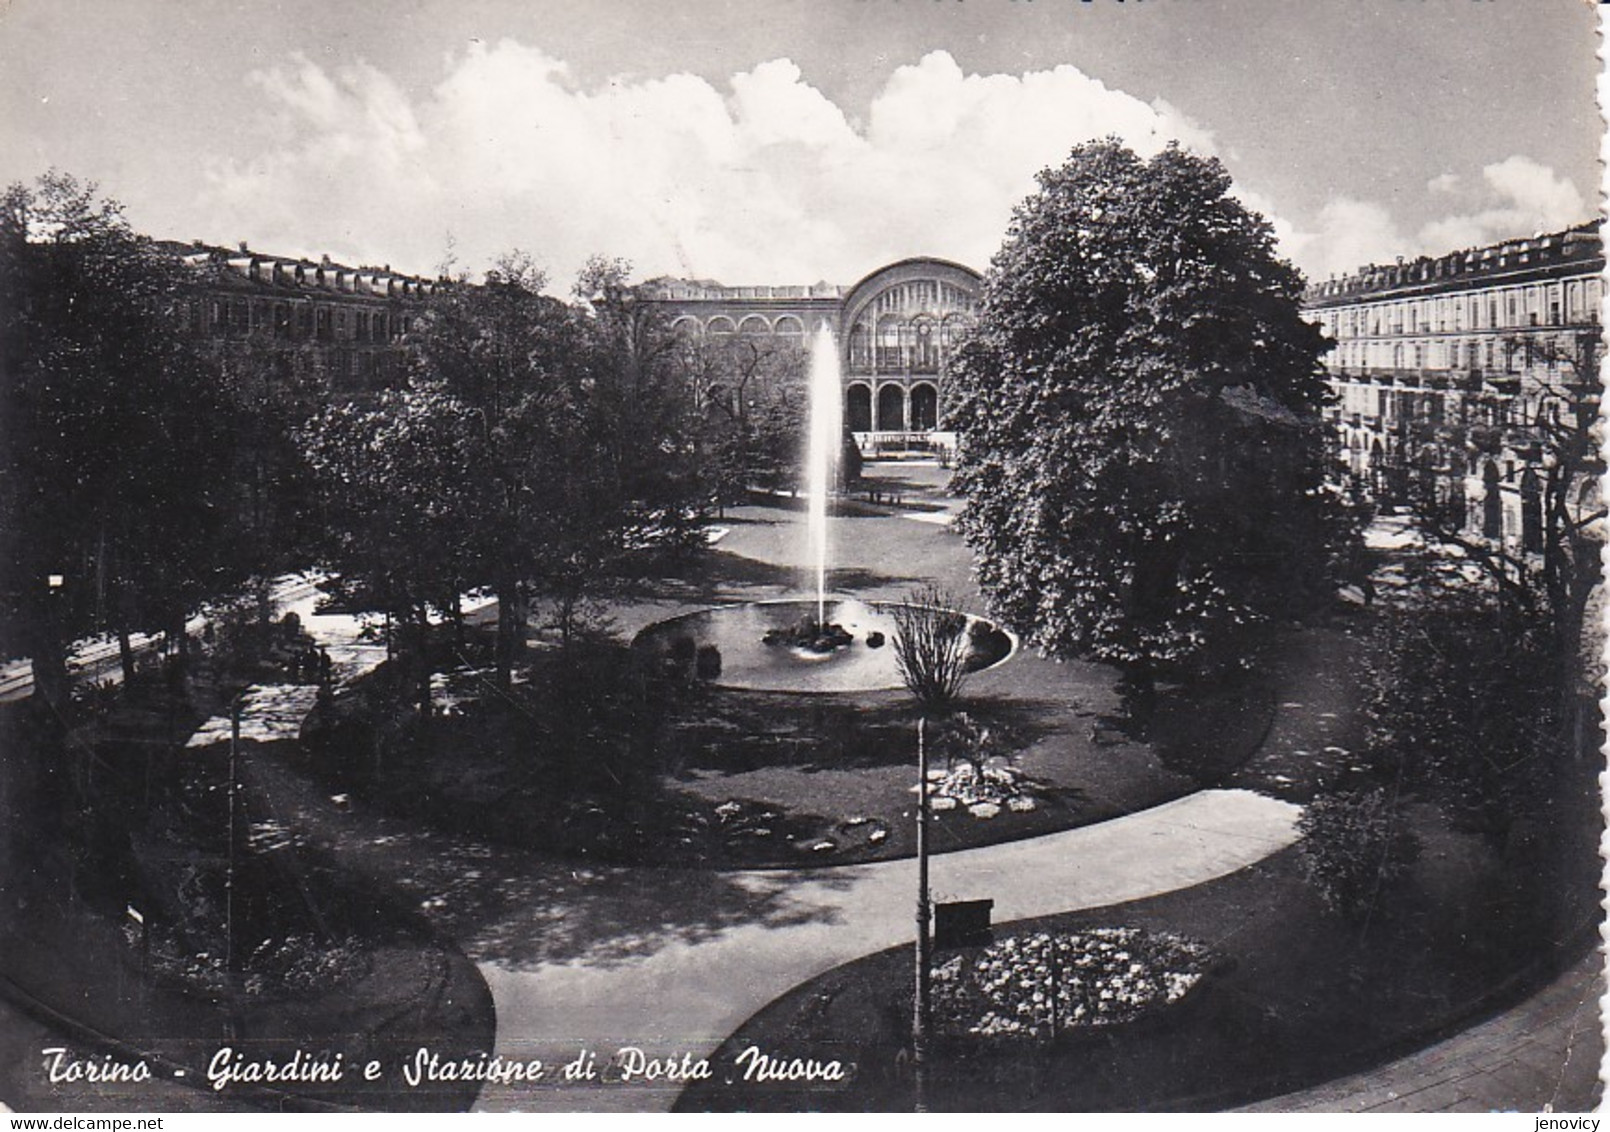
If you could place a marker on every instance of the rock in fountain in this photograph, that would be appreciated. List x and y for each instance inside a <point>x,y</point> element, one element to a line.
<point>811,635</point>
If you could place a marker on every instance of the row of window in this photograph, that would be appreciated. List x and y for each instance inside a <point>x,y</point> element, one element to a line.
<point>1394,406</point>
<point>295,321</point>
<point>786,326</point>
<point>1559,303</point>
<point>897,344</point>
<point>1490,354</point>
<point>922,295</point>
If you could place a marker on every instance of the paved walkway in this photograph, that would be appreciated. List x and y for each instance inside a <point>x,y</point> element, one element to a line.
<point>1543,1055</point>
<point>686,997</point>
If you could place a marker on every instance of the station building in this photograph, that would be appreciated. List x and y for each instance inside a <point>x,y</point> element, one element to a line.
<point>895,331</point>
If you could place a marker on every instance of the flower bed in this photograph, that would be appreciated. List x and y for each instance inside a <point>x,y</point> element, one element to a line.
<point>1036,986</point>
<point>982,791</point>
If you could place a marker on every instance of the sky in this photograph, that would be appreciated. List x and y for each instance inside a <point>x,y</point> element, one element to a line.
<point>791,141</point>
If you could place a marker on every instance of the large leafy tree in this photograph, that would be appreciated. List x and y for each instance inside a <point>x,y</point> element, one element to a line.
<point>116,434</point>
<point>1138,412</point>
<point>398,481</point>
<point>749,402</point>
<point>509,354</point>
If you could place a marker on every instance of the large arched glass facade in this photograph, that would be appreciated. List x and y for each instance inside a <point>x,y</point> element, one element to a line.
<point>898,330</point>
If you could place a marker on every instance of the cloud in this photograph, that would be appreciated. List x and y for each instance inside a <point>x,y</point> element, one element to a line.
<point>1525,197</point>
<point>1514,197</point>
<point>1348,233</point>
<point>760,178</point>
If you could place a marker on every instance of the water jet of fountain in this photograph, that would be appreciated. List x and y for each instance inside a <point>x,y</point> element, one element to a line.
<point>826,437</point>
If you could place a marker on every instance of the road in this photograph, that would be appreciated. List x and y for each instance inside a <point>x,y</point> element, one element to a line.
<point>95,659</point>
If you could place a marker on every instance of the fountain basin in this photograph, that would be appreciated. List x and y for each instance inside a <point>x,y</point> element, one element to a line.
<point>747,662</point>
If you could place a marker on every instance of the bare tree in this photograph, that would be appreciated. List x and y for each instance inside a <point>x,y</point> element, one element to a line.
<point>930,646</point>
<point>1551,577</point>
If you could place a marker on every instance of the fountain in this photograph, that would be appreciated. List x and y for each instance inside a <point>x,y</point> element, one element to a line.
<point>826,437</point>
<point>818,644</point>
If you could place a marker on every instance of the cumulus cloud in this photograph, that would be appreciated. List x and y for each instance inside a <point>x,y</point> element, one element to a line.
<point>1514,197</point>
<point>1524,197</point>
<point>1348,233</point>
<point>761,178</point>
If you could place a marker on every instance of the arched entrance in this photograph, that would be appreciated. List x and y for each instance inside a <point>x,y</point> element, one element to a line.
<point>858,407</point>
<point>891,408</point>
<point>924,407</point>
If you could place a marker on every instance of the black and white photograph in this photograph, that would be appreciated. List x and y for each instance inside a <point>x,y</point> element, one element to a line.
<point>801,556</point>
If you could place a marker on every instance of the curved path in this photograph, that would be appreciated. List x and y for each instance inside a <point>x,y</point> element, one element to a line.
<point>686,998</point>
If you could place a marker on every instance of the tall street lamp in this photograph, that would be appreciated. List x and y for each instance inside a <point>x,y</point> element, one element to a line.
<point>920,1002</point>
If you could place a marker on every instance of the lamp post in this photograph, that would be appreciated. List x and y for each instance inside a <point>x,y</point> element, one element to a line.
<point>920,1003</point>
<point>50,678</point>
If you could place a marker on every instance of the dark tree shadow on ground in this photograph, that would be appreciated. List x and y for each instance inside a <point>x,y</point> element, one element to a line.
<point>708,576</point>
<point>1208,732</point>
<point>860,578</point>
<point>715,576</point>
<point>739,731</point>
<point>520,908</point>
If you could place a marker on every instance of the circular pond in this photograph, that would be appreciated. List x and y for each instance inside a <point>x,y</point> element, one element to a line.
<point>727,646</point>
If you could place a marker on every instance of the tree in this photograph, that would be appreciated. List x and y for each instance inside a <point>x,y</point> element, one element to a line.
<point>749,411</point>
<point>113,467</point>
<point>398,482</point>
<point>641,410</point>
<point>1548,578</point>
<point>1459,709</point>
<point>1138,419</point>
<point>509,354</point>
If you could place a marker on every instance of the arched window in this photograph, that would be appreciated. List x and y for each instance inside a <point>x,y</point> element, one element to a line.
<point>924,406</point>
<point>888,358</point>
<point>861,348</point>
<point>790,329</point>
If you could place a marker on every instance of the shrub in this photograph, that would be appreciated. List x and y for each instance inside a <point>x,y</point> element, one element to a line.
<point>709,662</point>
<point>930,645</point>
<point>1353,848</point>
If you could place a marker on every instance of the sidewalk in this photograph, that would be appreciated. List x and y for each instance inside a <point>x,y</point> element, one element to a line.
<point>673,960</point>
<point>1543,1055</point>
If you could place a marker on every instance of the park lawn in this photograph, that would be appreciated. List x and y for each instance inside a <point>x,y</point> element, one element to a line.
<point>721,778</point>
